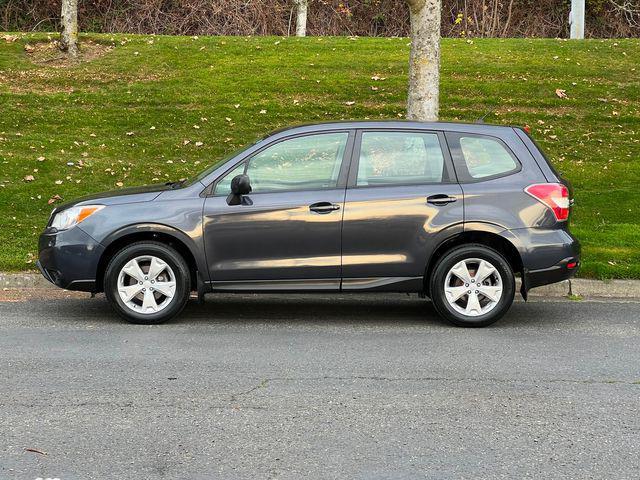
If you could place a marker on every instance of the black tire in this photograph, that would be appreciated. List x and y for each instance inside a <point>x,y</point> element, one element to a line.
<point>448,261</point>
<point>166,254</point>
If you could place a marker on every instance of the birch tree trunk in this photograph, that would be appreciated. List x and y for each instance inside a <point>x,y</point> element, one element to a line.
<point>301,17</point>
<point>69,34</point>
<point>424,61</point>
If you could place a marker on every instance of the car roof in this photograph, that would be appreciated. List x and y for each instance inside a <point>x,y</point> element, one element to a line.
<point>480,128</point>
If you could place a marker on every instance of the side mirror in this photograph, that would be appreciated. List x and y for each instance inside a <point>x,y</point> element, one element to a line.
<point>240,185</point>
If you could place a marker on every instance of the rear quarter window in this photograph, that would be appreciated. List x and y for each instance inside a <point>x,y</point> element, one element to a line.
<point>480,157</point>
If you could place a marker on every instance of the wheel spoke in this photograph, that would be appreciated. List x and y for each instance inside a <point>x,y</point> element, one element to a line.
<point>149,302</point>
<point>156,268</point>
<point>473,305</point>
<point>454,293</point>
<point>491,292</point>
<point>168,289</point>
<point>461,271</point>
<point>133,270</point>
<point>128,292</point>
<point>484,270</point>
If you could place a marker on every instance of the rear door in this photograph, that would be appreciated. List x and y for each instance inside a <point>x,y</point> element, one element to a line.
<point>402,200</point>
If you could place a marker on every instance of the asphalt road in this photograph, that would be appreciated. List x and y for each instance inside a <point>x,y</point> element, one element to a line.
<point>363,387</point>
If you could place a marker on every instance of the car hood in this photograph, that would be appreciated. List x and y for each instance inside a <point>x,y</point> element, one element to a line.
<point>117,197</point>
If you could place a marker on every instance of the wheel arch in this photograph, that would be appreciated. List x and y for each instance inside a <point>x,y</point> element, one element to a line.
<point>490,235</point>
<point>170,236</point>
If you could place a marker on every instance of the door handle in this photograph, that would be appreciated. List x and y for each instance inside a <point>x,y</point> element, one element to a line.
<point>440,199</point>
<point>324,207</point>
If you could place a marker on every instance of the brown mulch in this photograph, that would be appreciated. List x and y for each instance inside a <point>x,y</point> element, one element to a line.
<point>49,53</point>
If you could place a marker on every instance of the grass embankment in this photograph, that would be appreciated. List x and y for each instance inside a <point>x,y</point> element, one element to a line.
<point>138,113</point>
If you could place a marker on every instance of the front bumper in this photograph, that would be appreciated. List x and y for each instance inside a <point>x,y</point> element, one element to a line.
<point>69,258</point>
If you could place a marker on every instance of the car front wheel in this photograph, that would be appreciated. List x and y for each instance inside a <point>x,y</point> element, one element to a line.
<point>472,286</point>
<point>147,282</point>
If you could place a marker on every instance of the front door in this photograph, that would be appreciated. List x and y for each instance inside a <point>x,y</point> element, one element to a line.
<point>285,234</point>
<point>402,197</point>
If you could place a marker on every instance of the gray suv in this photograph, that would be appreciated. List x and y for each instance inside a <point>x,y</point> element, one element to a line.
<point>449,211</point>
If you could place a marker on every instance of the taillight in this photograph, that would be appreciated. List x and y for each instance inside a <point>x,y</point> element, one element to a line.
<point>553,195</point>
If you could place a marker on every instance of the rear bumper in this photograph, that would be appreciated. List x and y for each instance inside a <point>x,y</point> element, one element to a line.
<point>563,270</point>
<point>69,259</point>
<point>548,256</point>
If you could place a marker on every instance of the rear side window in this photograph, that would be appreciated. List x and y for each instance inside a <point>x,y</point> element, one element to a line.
<point>479,157</point>
<point>388,158</point>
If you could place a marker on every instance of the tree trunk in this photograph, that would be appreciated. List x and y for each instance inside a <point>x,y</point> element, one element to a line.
<point>301,17</point>
<point>424,61</point>
<point>69,34</point>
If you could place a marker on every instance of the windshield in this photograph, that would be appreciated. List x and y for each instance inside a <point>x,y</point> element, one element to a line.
<point>226,158</point>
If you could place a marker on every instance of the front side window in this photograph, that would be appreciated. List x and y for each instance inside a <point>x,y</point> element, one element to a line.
<point>388,158</point>
<point>223,187</point>
<point>303,163</point>
<point>485,157</point>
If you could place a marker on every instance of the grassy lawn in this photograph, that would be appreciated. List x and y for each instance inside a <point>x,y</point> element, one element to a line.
<point>138,113</point>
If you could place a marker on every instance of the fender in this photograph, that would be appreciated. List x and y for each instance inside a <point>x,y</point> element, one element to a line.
<point>496,229</point>
<point>195,249</point>
<point>508,235</point>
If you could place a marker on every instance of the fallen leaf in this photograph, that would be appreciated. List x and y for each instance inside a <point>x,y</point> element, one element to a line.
<point>119,184</point>
<point>130,134</point>
<point>29,178</point>
<point>561,93</point>
<point>58,182</point>
<point>263,111</point>
<point>199,144</point>
<point>349,103</point>
<point>54,199</point>
<point>41,159</point>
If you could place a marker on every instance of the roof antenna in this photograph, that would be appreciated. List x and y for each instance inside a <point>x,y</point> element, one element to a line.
<point>481,119</point>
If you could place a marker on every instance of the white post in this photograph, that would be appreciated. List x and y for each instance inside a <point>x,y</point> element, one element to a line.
<point>576,19</point>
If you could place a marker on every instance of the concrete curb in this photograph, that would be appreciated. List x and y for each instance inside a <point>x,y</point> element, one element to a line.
<point>582,287</point>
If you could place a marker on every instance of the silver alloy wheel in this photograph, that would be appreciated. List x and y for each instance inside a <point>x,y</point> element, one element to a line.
<point>146,284</point>
<point>473,287</point>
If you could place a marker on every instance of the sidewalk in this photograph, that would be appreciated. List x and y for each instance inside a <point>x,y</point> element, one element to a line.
<point>578,287</point>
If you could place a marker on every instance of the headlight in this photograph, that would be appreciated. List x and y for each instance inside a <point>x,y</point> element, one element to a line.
<point>72,216</point>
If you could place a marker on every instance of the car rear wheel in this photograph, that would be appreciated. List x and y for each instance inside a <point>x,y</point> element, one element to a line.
<point>147,282</point>
<point>472,286</point>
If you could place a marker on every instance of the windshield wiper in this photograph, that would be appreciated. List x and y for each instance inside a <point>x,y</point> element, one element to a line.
<point>175,184</point>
